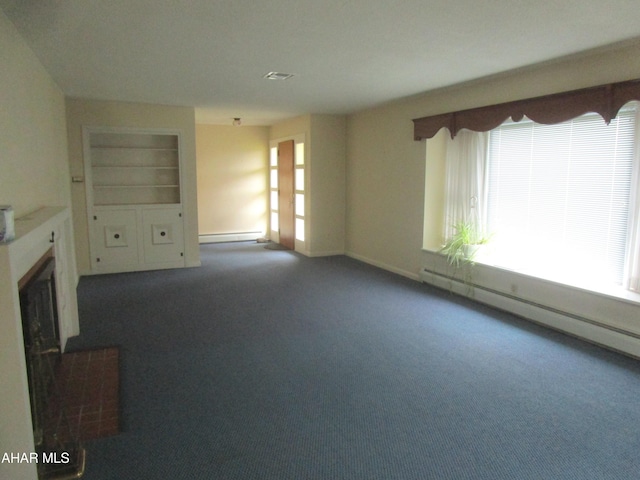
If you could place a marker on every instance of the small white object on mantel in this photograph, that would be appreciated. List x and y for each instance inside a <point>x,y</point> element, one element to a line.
<point>7,224</point>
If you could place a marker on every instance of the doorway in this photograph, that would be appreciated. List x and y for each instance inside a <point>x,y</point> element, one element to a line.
<point>286,193</point>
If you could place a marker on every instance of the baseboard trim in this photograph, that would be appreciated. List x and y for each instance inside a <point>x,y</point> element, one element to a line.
<point>584,328</point>
<point>329,253</point>
<point>382,265</point>
<point>229,237</point>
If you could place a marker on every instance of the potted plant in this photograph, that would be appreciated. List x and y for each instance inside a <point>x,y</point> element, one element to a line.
<point>463,245</point>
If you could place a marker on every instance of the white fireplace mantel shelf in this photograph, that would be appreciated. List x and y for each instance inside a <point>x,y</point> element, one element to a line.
<point>33,237</point>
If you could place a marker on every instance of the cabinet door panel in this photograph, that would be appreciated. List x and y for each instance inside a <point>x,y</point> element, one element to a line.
<point>115,240</point>
<point>163,235</point>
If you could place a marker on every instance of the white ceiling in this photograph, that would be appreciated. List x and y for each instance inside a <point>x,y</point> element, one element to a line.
<point>346,55</point>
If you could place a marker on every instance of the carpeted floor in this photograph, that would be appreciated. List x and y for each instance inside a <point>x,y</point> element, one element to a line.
<point>265,364</point>
<point>275,246</point>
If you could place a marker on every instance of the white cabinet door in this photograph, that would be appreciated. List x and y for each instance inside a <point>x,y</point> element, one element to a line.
<point>137,238</point>
<point>114,242</point>
<point>163,236</point>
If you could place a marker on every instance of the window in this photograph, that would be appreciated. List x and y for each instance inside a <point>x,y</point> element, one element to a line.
<point>560,198</point>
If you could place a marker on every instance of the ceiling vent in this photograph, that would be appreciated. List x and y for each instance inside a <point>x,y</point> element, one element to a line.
<point>278,76</point>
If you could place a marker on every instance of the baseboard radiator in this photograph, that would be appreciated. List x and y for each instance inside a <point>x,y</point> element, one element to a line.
<point>587,329</point>
<point>229,237</point>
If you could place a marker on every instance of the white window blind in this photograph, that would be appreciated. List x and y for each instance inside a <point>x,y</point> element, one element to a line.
<point>558,196</point>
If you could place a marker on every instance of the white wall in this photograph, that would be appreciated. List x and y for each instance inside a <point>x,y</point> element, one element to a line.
<point>33,173</point>
<point>385,188</point>
<point>326,191</point>
<point>34,168</point>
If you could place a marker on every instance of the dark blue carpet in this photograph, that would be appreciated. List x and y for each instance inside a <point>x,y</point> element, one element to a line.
<point>265,364</point>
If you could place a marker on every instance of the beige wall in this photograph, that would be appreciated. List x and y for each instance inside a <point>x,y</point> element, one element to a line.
<point>81,112</point>
<point>33,173</point>
<point>326,191</point>
<point>386,168</point>
<point>325,179</point>
<point>395,193</point>
<point>291,127</point>
<point>233,169</point>
<point>385,189</point>
<point>34,169</point>
<point>434,194</point>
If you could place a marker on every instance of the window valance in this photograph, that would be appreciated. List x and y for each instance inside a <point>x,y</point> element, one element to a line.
<point>549,109</point>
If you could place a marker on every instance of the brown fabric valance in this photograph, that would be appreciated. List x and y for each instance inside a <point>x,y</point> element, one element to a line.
<point>604,99</point>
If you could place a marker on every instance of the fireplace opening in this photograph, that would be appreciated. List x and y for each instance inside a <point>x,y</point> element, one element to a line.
<point>60,454</point>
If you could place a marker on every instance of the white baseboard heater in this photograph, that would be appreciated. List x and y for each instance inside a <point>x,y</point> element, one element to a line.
<point>229,237</point>
<point>584,328</point>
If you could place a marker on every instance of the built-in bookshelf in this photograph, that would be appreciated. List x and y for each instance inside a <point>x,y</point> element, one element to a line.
<point>134,201</point>
<point>135,169</point>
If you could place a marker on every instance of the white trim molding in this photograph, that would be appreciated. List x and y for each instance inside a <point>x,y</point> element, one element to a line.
<point>229,237</point>
<point>384,266</point>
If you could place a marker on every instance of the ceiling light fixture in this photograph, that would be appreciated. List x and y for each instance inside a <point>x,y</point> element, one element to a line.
<point>278,76</point>
<point>237,122</point>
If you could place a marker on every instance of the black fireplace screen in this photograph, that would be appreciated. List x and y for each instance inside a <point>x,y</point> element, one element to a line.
<point>59,452</point>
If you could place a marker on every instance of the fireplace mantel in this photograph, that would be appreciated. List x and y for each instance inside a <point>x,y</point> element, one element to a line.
<point>36,233</point>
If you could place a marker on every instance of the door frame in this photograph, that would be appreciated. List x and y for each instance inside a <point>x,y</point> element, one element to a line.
<point>300,245</point>
<point>287,194</point>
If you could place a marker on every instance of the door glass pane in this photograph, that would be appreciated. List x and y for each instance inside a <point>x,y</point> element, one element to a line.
<point>300,204</point>
<point>299,178</point>
<point>299,153</point>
